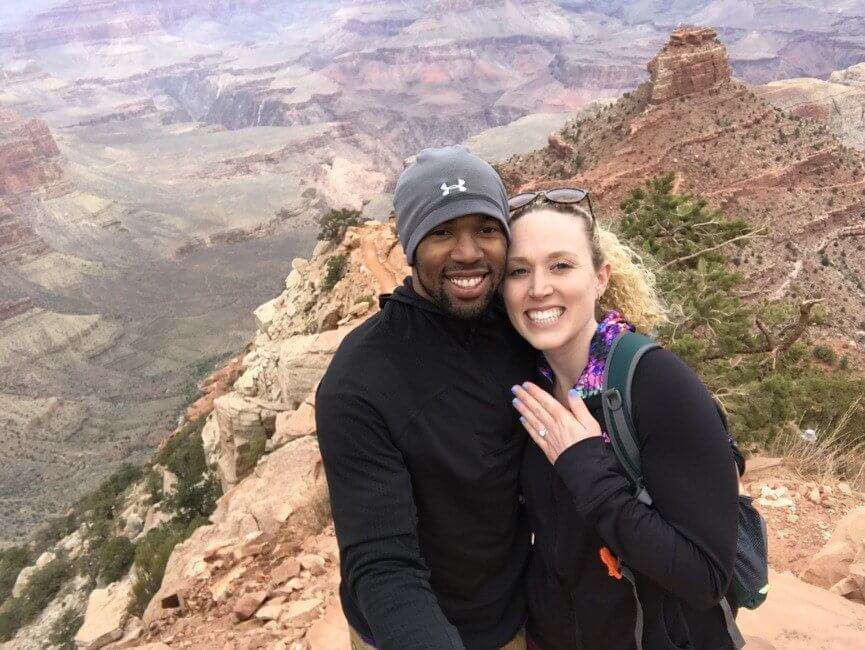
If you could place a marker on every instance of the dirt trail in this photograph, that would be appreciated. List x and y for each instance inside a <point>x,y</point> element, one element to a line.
<point>386,280</point>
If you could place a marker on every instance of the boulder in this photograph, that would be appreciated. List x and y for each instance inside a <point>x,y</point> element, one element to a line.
<point>248,604</point>
<point>289,569</point>
<point>105,617</point>
<point>301,612</point>
<point>242,437</point>
<point>295,424</point>
<point>838,565</point>
<point>303,360</point>
<point>46,558</point>
<point>134,524</point>
<point>210,440</point>
<point>330,632</point>
<point>264,314</point>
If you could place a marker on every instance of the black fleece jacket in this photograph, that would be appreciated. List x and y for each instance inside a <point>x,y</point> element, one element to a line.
<point>422,452</point>
<point>681,550</point>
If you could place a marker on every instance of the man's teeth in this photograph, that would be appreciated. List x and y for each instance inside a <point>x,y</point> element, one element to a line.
<point>545,315</point>
<point>467,283</point>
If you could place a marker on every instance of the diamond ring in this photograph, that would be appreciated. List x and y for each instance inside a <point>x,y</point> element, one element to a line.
<point>542,432</point>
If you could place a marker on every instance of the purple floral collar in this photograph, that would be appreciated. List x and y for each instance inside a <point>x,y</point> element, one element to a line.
<point>592,377</point>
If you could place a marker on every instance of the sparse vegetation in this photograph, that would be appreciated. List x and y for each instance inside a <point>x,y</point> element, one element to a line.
<point>151,556</point>
<point>40,590</point>
<point>197,489</point>
<point>12,560</point>
<point>114,559</point>
<point>333,224</point>
<point>62,635</point>
<point>335,269</point>
<point>825,354</point>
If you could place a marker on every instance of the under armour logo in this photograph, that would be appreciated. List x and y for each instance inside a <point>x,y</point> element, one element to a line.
<point>446,189</point>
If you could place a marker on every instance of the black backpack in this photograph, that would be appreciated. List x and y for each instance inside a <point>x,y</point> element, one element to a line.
<point>751,570</point>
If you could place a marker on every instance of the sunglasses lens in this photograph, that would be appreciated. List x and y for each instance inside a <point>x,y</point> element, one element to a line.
<point>518,201</point>
<point>566,195</point>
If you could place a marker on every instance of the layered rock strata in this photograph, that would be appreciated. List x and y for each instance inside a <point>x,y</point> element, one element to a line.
<point>691,61</point>
<point>800,190</point>
<point>838,102</point>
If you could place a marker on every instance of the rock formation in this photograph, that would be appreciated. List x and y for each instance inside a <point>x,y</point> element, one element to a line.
<point>29,161</point>
<point>780,173</point>
<point>105,617</point>
<point>298,332</point>
<point>693,60</point>
<point>29,157</point>
<point>838,102</point>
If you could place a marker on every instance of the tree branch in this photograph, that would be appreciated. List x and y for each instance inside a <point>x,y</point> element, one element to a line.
<point>712,248</point>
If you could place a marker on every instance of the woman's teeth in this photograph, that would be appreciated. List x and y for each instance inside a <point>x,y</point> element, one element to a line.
<point>467,283</point>
<point>545,316</point>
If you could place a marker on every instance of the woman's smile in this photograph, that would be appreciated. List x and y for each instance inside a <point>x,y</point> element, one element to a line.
<point>544,317</point>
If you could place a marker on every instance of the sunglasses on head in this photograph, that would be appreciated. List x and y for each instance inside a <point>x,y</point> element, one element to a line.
<point>563,196</point>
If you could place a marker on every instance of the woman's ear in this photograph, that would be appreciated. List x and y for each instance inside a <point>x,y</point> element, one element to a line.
<point>603,277</point>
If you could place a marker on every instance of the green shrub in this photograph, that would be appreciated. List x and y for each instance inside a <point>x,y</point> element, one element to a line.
<point>335,269</point>
<point>333,224</point>
<point>193,500</point>
<point>151,556</point>
<point>12,560</point>
<point>114,559</point>
<point>183,453</point>
<point>101,504</point>
<point>62,635</point>
<point>762,385</point>
<point>825,354</point>
<point>153,485</point>
<point>55,529</point>
<point>40,590</point>
<point>197,489</point>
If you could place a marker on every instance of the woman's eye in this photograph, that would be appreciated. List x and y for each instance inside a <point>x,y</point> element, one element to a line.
<point>516,272</point>
<point>490,230</point>
<point>440,233</point>
<point>562,266</point>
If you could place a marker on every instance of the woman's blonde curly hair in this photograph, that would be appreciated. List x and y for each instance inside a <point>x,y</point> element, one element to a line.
<point>632,288</point>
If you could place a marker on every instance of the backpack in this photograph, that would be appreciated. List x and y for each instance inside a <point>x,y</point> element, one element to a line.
<point>751,570</point>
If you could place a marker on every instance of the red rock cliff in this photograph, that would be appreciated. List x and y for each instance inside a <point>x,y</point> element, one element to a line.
<point>692,60</point>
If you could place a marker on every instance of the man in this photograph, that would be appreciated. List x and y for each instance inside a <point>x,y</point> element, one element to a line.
<point>420,443</point>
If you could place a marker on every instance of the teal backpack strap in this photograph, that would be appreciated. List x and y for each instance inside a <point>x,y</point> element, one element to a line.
<point>621,363</point>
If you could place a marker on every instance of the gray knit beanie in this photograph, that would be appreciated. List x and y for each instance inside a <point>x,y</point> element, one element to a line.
<point>441,185</point>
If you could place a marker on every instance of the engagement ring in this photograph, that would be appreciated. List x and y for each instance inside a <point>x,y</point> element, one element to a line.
<point>542,432</point>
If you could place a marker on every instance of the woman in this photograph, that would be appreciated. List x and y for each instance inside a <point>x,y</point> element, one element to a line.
<point>570,288</point>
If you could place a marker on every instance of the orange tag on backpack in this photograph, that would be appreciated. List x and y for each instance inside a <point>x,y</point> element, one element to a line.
<point>611,562</point>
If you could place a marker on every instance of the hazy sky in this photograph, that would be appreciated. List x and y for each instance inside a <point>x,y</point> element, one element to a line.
<point>11,11</point>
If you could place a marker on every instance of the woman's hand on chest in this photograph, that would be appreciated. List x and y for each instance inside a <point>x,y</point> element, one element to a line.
<point>552,426</point>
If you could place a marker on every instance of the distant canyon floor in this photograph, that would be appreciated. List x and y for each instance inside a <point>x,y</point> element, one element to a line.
<point>103,382</point>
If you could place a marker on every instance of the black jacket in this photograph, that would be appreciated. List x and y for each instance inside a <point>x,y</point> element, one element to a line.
<point>681,550</point>
<point>422,452</point>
